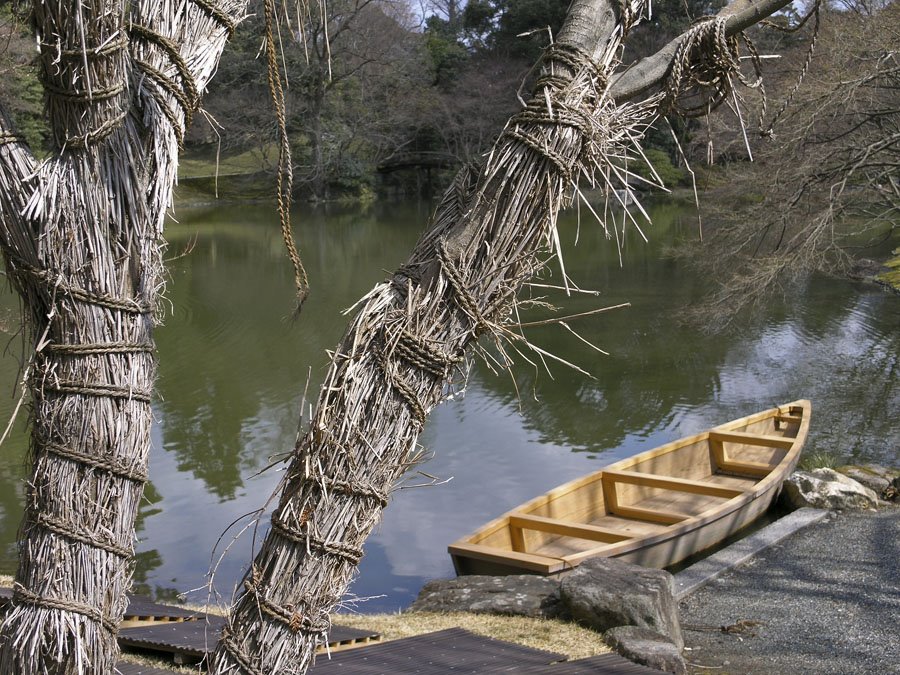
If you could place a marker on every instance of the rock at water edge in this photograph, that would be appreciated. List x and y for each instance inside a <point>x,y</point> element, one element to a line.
<point>827,489</point>
<point>604,593</point>
<point>518,595</point>
<point>646,647</point>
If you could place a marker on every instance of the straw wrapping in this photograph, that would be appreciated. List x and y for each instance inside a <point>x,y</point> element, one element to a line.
<point>92,348</point>
<point>89,96</point>
<point>58,284</point>
<point>82,240</point>
<point>404,390</point>
<point>109,48</point>
<point>294,620</point>
<point>355,488</point>
<point>237,654</point>
<point>99,389</point>
<point>95,136</point>
<point>461,295</point>
<point>9,138</point>
<point>171,50</point>
<point>215,12</point>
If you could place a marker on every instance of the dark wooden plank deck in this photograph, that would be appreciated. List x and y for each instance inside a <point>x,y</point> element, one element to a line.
<point>142,610</point>
<point>192,641</point>
<point>458,651</point>
<point>454,650</point>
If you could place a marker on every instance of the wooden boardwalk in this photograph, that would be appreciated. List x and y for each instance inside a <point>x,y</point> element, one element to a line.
<point>456,650</point>
<point>189,637</point>
<point>192,641</point>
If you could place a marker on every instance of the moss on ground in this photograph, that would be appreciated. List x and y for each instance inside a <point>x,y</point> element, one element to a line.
<point>892,276</point>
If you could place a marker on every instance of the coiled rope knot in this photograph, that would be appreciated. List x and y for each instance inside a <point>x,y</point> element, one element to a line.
<point>705,66</point>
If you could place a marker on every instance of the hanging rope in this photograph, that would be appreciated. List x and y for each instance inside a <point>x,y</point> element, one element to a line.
<point>708,59</point>
<point>815,11</point>
<point>285,167</point>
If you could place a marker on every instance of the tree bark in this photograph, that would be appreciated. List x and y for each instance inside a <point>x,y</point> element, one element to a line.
<point>82,240</point>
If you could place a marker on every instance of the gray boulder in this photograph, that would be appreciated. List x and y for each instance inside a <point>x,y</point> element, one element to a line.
<point>521,595</point>
<point>892,492</point>
<point>646,647</point>
<point>827,489</point>
<point>604,593</point>
<point>873,476</point>
<point>884,481</point>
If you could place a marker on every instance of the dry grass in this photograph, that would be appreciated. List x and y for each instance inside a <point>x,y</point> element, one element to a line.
<point>551,635</point>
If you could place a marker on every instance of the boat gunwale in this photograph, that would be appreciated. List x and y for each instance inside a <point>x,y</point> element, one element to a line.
<point>763,486</point>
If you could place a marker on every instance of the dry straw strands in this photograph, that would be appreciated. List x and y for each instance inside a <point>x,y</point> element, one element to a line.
<point>404,349</point>
<point>82,239</point>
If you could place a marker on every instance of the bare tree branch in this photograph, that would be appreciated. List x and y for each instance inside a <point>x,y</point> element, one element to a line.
<point>651,71</point>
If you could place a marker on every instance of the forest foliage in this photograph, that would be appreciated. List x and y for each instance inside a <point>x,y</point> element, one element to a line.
<point>383,95</point>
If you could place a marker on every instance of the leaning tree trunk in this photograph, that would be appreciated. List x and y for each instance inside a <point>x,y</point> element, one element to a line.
<point>82,238</point>
<point>399,356</point>
<point>409,339</point>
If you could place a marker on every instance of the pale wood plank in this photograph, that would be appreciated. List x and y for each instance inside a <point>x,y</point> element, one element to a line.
<point>780,442</point>
<point>528,561</point>
<point>671,483</point>
<point>757,469</point>
<point>638,513</point>
<point>517,538</point>
<point>566,528</point>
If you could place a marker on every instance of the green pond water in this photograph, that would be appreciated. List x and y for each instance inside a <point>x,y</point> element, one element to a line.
<point>233,369</point>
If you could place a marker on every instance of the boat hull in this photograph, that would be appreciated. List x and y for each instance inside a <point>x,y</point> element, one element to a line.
<point>654,509</point>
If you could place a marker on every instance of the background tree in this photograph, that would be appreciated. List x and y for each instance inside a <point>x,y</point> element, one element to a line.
<point>347,65</point>
<point>19,84</point>
<point>825,189</point>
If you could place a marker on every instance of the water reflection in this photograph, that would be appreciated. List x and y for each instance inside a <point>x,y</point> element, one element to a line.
<point>233,368</point>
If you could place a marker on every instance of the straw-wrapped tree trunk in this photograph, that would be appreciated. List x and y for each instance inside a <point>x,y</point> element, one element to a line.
<point>82,240</point>
<point>402,351</point>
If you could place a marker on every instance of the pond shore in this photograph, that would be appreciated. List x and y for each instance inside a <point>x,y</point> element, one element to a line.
<point>823,601</point>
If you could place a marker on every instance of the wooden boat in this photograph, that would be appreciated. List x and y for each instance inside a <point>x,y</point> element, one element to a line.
<point>653,509</point>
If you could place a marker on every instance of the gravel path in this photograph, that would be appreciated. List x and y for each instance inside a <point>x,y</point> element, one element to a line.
<point>827,600</point>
